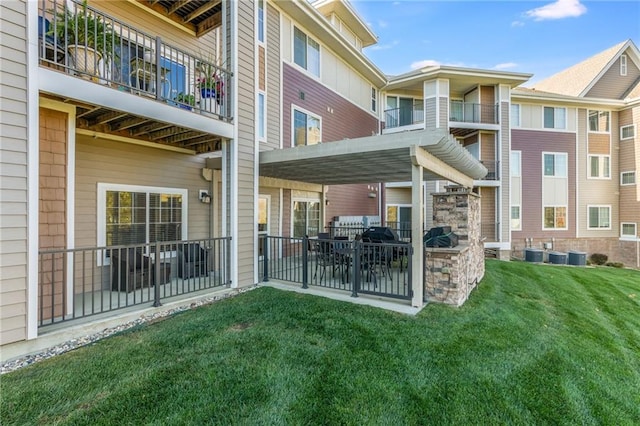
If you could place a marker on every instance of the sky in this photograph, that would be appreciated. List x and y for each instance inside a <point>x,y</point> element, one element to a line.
<point>540,38</point>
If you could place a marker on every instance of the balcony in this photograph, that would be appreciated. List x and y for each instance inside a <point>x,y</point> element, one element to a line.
<point>466,112</point>
<point>407,117</point>
<point>493,169</point>
<point>84,43</point>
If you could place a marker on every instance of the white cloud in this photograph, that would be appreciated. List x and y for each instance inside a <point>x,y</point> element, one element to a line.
<point>558,10</point>
<point>424,63</point>
<point>517,24</point>
<point>395,3</point>
<point>505,65</point>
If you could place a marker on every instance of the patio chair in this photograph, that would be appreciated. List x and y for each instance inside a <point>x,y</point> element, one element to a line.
<point>131,269</point>
<point>193,260</point>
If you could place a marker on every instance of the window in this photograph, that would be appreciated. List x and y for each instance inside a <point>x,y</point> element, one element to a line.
<point>628,230</point>
<point>515,164</point>
<point>515,115</point>
<point>261,117</point>
<point>599,217</point>
<point>555,165</point>
<point>555,118</point>
<point>261,21</point>
<point>306,128</point>
<point>555,218</point>
<point>306,52</point>
<point>599,121</point>
<point>374,99</point>
<point>627,132</point>
<point>516,225</point>
<point>599,166</point>
<point>306,218</point>
<point>628,178</point>
<point>140,215</point>
<point>623,65</point>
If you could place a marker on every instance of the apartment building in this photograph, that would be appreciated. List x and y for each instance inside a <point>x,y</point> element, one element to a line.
<point>574,157</point>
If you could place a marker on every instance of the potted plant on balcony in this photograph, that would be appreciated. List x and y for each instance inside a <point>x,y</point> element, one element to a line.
<point>88,37</point>
<point>210,83</point>
<point>185,100</point>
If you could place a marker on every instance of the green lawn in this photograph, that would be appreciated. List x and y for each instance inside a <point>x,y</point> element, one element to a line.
<point>533,345</point>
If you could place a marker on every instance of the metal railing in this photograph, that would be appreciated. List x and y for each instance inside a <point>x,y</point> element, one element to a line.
<point>403,229</point>
<point>341,264</point>
<point>493,169</point>
<point>84,42</point>
<point>405,116</point>
<point>78,283</point>
<point>468,112</point>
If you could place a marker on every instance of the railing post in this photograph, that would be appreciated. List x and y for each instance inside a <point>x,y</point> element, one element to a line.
<point>305,260</point>
<point>156,276</point>
<point>157,58</point>
<point>265,258</point>
<point>357,250</point>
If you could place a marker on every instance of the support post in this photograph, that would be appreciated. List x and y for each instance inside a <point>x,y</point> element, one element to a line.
<point>417,259</point>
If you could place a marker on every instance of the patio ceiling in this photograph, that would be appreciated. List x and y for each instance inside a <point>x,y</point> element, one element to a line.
<point>200,16</point>
<point>381,158</point>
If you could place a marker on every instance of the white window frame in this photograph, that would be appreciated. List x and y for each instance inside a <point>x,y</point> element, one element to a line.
<point>305,200</point>
<point>604,173</point>
<point>624,236</point>
<point>598,206</point>
<point>516,158</point>
<point>555,118</point>
<point>555,155</point>
<point>519,218</point>
<point>515,118</point>
<point>623,128</point>
<point>102,190</point>
<point>261,29</point>
<point>599,112</point>
<point>623,65</point>
<point>517,161</point>
<point>308,47</point>
<point>566,218</point>
<point>262,116</point>
<point>628,172</point>
<point>374,99</point>
<point>295,108</point>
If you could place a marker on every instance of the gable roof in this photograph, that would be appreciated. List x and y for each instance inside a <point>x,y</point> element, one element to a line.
<point>578,79</point>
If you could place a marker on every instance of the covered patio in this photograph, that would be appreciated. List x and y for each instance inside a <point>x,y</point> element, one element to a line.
<point>414,156</point>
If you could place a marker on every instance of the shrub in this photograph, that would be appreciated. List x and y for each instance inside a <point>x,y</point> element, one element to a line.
<point>598,258</point>
<point>615,264</point>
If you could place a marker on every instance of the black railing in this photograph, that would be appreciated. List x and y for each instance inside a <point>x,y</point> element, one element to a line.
<point>467,112</point>
<point>403,229</point>
<point>77,283</point>
<point>405,115</point>
<point>493,170</point>
<point>341,264</point>
<point>87,43</point>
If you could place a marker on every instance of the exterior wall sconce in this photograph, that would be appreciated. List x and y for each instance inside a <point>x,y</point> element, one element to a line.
<point>373,191</point>
<point>372,194</point>
<point>204,196</point>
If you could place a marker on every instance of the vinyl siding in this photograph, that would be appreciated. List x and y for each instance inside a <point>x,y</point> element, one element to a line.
<point>350,200</point>
<point>487,99</point>
<point>444,112</point>
<point>398,196</point>
<point>274,79</point>
<point>599,143</point>
<point>104,161</point>
<point>274,209</point>
<point>503,138</point>
<point>488,217</point>
<point>531,117</point>
<point>430,111</point>
<point>532,144</point>
<point>246,145</point>
<point>13,172</point>
<point>488,147</point>
<point>612,85</point>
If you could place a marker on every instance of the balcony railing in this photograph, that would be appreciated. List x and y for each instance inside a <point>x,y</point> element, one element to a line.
<point>405,116</point>
<point>84,42</point>
<point>467,112</point>
<point>493,170</point>
<point>78,283</point>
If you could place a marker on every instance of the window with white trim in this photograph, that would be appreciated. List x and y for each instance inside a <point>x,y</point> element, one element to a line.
<point>555,165</point>
<point>516,224</point>
<point>262,119</point>
<point>628,178</point>
<point>374,99</point>
<point>516,195</point>
<point>515,115</point>
<point>306,218</point>
<point>599,166</point>
<point>628,230</point>
<point>599,217</point>
<point>260,34</point>
<point>306,52</point>
<point>306,128</point>
<point>627,132</point>
<point>140,215</point>
<point>515,163</point>
<point>555,217</point>
<point>555,118</point>
<point>599,121</point>
<point>623,65</point>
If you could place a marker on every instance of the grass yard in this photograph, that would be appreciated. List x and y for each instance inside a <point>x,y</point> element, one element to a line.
<point>533,345</point>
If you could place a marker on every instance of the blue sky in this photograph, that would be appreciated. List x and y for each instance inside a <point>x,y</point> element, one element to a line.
<point>540,38</point>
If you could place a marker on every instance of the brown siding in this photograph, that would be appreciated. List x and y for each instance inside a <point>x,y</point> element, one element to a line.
<point>470,140</point>
<point>350,200</point>
<point>487,100</point>
<point>488,219</point>
<point>599,143</point>
<point>488,148</point>
<point>612,85</point>
<point>261,69</point>
<point>340,118</point>
<point>532,144</point>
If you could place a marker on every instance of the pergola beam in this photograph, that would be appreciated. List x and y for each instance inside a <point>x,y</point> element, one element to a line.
<point>420,157</point>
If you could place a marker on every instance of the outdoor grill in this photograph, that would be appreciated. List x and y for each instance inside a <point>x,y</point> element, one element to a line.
<point>440,236</point>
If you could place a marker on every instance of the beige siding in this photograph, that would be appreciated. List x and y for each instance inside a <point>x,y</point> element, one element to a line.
<point>531,117</point>
<point>503,139</point>
<point>274,79</point>
<point>104,161</point>
<point>246,143</point>
<point>274,209</point>
<point>398,196</point>
<point>612,85</point>
<point>13,172</point>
